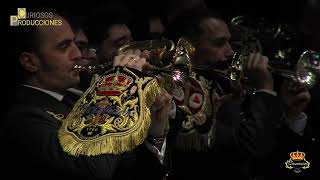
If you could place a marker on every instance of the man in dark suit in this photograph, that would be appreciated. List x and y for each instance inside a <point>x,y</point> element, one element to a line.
<point>47,56</point>
<point>297,142</point>
<point>248,134</point>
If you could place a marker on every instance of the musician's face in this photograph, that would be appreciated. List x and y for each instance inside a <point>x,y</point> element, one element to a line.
<point>119,34</point>
<point>213,44</point>
<point>52,64</point>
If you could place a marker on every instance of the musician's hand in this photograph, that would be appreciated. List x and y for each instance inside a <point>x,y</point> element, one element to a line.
<point>256,70</point>
<point>295,96</point>
<point>132,59</point>
<point>160,114</point>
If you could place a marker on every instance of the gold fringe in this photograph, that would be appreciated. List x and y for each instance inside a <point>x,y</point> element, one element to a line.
<point>194,141</point>
<point>116,143</point>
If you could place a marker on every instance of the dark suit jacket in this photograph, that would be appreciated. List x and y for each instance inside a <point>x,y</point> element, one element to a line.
<point>243,131</point>
<point>287,142</point>
<point>31,146</point>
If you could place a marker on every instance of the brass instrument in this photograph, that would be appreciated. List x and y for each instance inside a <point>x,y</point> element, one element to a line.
<point>159,50</point>
<point>179,65</point>
<point>162,57</point>
<point>182,67</point>
<point>307,68</point>
<point>245,36</point>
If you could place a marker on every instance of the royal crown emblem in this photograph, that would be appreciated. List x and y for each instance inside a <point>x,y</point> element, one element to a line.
<point>297,156</point>
<point>112,116</point>
<point>297,161</point>
<point>114,84</point>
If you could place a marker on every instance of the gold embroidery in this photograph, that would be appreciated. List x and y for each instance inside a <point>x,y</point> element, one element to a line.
<point>112,116</point>
<point>195,101</point>
<point>59,117</point>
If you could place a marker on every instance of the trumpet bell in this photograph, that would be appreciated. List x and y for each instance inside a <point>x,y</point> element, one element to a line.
<point>308,68</point>
<point>182,62</point>
<point>158,49</point>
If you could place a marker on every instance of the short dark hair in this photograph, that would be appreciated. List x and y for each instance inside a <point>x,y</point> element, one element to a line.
<point>77,22</point>
<point>27,37</point>
<point>103,17</point>
<point>187,23</point>
<point>24,39</point>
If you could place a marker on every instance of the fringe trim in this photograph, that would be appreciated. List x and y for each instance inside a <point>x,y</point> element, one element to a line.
<point>194,141</point>
<point>113,143</point>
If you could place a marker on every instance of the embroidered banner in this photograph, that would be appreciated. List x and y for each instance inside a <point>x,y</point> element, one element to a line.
<point>113,115</point>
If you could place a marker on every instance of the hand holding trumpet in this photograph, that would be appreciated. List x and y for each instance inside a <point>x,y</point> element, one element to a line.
<point>255,68</point>
<point>161,107</point>
<point>132,58</point>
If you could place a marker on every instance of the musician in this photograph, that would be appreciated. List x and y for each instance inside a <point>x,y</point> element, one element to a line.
<point>245,135</point>
<point>296,133</point>
<point>31,148</point>
<point>108,29</point>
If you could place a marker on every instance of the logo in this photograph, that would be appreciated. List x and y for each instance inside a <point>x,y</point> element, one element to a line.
<point>297,162</point>
<point>25,18</point>
<point>114,84</point>
<point>22,13</point>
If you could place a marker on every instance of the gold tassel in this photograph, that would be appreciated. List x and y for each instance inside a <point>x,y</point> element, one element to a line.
<point>115,143</point>
<point>194,141</point>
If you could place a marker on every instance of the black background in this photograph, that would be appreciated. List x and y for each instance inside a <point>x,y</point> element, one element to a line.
<point>276,11</point>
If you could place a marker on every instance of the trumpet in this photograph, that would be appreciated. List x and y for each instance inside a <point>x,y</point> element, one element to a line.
<point>164,57</point>
<point>159,50</point>
<point>306,71</point>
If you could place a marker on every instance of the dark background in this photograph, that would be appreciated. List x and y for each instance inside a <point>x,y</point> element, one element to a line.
<point>275,11</point>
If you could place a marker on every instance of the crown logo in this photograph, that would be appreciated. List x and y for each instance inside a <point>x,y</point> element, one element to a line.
<point>114,84</point>
<point>297,162</point>
<point>297,156</point>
